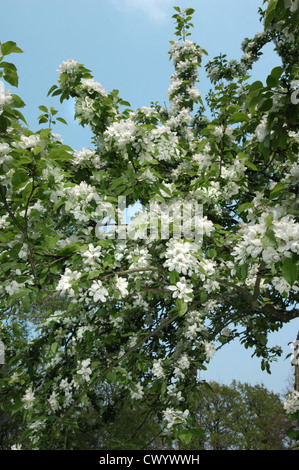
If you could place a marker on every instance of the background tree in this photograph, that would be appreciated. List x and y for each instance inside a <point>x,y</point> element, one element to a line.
<point>242,417</point>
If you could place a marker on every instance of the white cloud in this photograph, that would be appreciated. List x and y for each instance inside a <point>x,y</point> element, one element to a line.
<point>156,9</point>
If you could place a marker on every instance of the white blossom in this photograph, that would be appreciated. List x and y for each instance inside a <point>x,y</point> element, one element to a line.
<point>158,371</point>
<point>5,97</point>
<point>175,417</point>
<point>65,284</point>
<point>122,285</point>
<point>291,405</point>
<point>98,291</point>
<point>85,371</point>
<point>91,86</point>
<point>182,290</point>
<point>137,392</point>
<point>28,398</point>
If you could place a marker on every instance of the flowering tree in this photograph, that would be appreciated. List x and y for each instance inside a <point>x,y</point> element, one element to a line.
<point>135,305</point>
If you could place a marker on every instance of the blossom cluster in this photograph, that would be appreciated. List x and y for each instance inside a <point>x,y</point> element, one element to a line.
<point>291,405</point>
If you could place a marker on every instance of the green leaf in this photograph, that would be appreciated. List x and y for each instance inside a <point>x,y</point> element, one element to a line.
<point>238,117</point>
<point>112,377</point>
<point>242,272</point>
<point>203,296</point>
<point>269,219</point>
<point>43,108</point>
<point>269,238</point>
<point>44,133</point>
<point>165,189</point>
<point>17,407</point>
<point>185,436</point>
<point>244,207</point>
<point>10,73</point>
<point>276,190</point>
<point>60,155</point>
<point>189,11</point>
<point>17,101</point>
<point>251,165</point>
<point>273,78</point>
<point>54,87</point>
<point>289,270</point>
<point>265,104</point>
<point>163,387</point>
<point>262,339</point>
<point>54,347</point>
<point>61,120</point>
<point>256,86</point>
<point>9,47</point>
<point>25,434</point>
<point>16,330</point>
<point>214,170</point>
<point>43,119</point>
<point>293,434</point>
<point>174,277</point>
<point>199,433</point>
<point>182,307</point>
<point>19,178</point>
<point>117,182</point>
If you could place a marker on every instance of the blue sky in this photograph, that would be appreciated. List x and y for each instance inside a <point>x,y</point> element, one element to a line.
<point>125,44</point>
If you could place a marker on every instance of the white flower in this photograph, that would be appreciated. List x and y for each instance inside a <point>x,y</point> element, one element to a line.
<point>182,290</point>
<point>83,156</point>
<point>69,66</point>
<point>92,255</point>
<point>28,398</point>
<point>173,392</point>
<point>16,447</point>
<point>4,147</point>
<point>137,393</point>
<point>220,131</point>
<point>175,417</point>
<point>13,287</point>
<point>183,363</point>
<point>132,341</point>
<point>23,253</point>
<point>180,257</point>
<point>4,222</point>
<point>5,97</point>
<point>81,330</point>
<point>292,4</point>
<point>53,402</point>
<point>85,370</point>
<point>65,282</point>
<point>148,176</point>
<point>209,349</point>
<point>262,131</point>
<point>28,142</point>
<point>158,369</point>
<point>98,291</point>
<point>91,85</point>
<point>122,286</point>
<point>122,132</point>
<point>84,108</point>
<point>291,405</point>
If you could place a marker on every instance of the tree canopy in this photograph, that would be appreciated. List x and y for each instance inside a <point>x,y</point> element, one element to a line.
<point>211,256</point>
